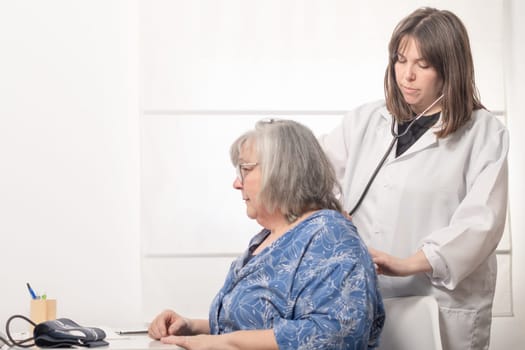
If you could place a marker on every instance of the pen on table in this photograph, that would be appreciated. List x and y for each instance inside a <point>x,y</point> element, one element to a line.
<point>31,291</point>
<point>142,331</point>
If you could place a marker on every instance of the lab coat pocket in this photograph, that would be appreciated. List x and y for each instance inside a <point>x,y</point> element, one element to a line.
<point>458,328</point>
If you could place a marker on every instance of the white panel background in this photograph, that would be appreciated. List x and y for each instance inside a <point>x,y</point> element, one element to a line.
<point>189,286</point>
<point>189,203</point>
<point>211,68</point>
<point>290,55</point>
<point>71,88</point>
<point>69,159</point>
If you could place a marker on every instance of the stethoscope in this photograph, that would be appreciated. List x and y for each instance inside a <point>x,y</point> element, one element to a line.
<point>395,137</point>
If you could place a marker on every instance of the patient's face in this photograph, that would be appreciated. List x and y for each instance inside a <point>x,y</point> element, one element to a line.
<point>252,182</point>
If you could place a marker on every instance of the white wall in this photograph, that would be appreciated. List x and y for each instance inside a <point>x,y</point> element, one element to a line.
<point>69,158</point>
<point>74,147</point>
<point>507,332</point>
<point>211,68</point>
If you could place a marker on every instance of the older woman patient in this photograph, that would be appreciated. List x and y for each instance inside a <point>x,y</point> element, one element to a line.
<point>306,280</point>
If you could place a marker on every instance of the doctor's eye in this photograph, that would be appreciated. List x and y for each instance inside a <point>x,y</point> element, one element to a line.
<point>423,64</point>
<point>400,58</point>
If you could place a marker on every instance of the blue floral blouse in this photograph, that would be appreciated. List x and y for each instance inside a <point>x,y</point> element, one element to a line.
<point>315,286</point>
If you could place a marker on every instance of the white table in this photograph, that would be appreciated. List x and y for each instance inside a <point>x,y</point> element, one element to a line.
<point>134,342</point>
<point>116,342</point>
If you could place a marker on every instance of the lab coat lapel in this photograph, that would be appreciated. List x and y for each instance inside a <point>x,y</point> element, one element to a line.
<point>384,138</point>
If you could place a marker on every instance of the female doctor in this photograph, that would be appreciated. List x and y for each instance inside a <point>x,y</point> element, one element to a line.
<point>435,211</point>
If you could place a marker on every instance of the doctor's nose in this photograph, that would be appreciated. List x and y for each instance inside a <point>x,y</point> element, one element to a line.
<point>409,73</point>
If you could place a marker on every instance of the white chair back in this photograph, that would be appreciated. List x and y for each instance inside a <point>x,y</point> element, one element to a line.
<point>412,323</point>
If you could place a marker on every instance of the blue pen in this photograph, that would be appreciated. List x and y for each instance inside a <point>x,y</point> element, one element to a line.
<point>31,291</point>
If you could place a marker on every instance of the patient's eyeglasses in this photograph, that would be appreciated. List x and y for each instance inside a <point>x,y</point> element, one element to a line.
<point>243,169</point>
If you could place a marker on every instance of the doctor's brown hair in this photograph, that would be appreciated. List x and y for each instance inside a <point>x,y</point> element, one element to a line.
<point>443,42</point>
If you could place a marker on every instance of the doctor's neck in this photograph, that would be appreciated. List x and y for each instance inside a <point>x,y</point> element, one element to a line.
<point>433,108</point>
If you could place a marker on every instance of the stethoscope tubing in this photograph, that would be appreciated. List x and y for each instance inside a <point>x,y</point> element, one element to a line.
<point>395,137</point>
<point>376,170</point>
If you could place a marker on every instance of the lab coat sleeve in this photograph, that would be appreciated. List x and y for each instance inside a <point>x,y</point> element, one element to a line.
<point>477,224</point>
<point>343,144</point>
<point>335,147</point>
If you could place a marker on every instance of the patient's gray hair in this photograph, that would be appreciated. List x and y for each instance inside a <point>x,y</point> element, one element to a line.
<point>296,174</point>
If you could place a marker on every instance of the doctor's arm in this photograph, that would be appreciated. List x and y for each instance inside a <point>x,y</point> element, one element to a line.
<point>390,265</point>
<point>334,145</point>
<point>476,226</point>
<point>453,252</point>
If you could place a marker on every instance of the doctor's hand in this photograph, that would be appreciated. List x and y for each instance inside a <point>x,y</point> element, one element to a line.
<point>390,265</point>
<point>167,323</point>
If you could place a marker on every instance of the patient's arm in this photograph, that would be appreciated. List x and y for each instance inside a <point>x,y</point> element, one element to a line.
<point>263,339</point>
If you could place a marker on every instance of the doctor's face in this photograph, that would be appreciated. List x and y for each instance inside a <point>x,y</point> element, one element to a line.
<point>419,82</point>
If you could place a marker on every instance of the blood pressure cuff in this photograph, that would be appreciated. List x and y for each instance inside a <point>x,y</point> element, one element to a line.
<point>64,332</point>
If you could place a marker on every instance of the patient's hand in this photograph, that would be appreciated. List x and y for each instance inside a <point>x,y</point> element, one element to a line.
<point>167,323</point>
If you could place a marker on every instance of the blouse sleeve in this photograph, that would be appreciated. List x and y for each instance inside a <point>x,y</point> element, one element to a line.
<point>337,303</point>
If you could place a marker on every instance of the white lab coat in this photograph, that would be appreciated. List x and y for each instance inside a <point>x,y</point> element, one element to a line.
<point>445,196</point>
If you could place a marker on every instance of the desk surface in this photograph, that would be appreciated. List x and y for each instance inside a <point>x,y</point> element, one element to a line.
<point>137,342</point>
<point>134,342</point>
<point>116,342</point>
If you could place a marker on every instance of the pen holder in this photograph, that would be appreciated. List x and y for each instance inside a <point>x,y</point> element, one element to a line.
<point>42,310</point>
